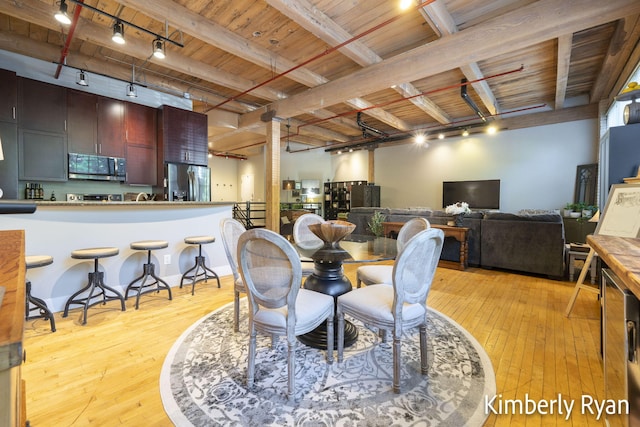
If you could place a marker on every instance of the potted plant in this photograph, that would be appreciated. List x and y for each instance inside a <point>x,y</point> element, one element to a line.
<point>375,223</point>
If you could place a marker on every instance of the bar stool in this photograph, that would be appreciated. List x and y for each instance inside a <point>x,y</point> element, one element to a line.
<point>96,280</point>
<point>200,263</point>
<point>148,271</point>
<point>35,261</point>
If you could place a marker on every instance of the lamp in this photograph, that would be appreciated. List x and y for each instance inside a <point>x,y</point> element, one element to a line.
<point>61,15</point>
<point>131,91</point>
<point>288,184</point>
<point>81,78</point>
<point>118,33</point>
<point>158,49</point>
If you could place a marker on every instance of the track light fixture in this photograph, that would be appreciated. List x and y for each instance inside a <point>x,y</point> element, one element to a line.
<point>81,78</point>
<point>118,33</point>
<point>131,91</point>
<point>158,49</point>
<point>61,15</point>
<point>158,44</point>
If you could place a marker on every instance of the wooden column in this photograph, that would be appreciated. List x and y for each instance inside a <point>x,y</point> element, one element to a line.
<point>371,176</point>
<point>272,216</point>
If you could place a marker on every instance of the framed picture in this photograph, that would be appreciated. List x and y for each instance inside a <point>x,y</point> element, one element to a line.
<point>295,193</point>
<point>298,185</point>
<point>621,216</point>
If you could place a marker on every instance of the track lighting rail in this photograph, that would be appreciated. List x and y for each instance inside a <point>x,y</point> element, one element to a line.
<point>130,24</point>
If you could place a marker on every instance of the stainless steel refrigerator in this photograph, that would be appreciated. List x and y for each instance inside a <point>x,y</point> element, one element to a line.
<point>187,183</point>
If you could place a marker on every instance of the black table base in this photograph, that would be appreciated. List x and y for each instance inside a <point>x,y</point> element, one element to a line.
<point>328,278</point>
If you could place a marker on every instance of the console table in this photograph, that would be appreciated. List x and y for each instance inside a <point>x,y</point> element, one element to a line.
<point>461,234</point>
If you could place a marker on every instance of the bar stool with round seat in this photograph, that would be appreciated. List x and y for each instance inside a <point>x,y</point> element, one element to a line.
<point>200,263</point>
<point>148,271</point>
<point>35,261</point>
<point>96,280</point>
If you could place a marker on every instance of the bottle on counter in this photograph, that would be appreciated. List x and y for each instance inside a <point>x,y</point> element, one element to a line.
<point>53,196</point>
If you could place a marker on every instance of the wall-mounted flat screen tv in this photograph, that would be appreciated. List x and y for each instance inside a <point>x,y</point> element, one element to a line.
<point>483,194</point>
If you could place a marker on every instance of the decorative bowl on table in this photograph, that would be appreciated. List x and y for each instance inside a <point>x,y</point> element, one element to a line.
<point>331,232</point>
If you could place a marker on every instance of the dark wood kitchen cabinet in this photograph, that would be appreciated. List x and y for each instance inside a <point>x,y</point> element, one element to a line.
<point>42,106</point>
<point>42,156</point>
<point>141,140</point>
<point>95,124</point>
<point>8,96</point>
<point>42,138</point>
<point>182,136</point>
<point>9,134</point>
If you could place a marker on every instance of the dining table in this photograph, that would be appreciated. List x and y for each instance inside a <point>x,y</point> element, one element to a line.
<point>328,274</point>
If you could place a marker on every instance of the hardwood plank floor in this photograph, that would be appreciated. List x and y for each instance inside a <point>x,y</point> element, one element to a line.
<point>107,372</point>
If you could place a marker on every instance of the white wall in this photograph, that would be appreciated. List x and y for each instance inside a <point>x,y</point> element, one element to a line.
<point>225,185</point>
<point>536,166</point>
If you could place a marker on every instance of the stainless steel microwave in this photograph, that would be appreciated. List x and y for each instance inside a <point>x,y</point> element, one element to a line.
<point>103,168</point>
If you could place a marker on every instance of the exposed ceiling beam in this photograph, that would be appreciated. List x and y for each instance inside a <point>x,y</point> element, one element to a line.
<point>326,29</point>
<point>439,18</point>
<point>41,14</point>
<point>216,35</point>
<point>562,68</point>
<point>625,39</point>
<point>525,26</point>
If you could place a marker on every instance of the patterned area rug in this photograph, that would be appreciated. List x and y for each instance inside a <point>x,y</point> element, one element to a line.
<point>203,380</point>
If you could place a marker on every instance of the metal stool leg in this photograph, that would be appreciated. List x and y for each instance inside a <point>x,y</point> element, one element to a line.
<point>96,280</point>
<point>148,272</point>
<point>200,264</point>
<point>40,305</point>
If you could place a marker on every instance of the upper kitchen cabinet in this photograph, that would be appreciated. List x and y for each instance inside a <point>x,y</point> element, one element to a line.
<point>95,124</point>
<point>182,136</point>
<point>42,138</point>
<point>82,122</point>
<point>8,96</point>
<point>110,127</point>
<point>42,106</point>
<point>140,124</point>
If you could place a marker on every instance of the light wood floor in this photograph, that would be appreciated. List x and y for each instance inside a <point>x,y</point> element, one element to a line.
<point>107,372</point>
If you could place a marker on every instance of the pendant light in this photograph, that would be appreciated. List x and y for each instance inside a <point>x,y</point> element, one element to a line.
<point>61,15</point>
<point>288,149</point>
<point>131,89</point>
<point>158,49</point>
<point>118,33</point>
<point>81,78</point>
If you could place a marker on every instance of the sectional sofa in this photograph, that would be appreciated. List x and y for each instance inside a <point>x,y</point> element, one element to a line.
<point>529,243</point>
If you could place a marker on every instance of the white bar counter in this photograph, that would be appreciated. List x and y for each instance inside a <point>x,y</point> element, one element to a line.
<point>58,228</point>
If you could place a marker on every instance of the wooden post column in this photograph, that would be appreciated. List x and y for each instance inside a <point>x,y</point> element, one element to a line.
<point>371,175</point>
<point>272,214</point>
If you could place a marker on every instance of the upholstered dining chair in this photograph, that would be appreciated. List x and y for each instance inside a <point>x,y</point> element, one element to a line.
<point>401,306</point>
<point>271,270</point>
<point>231,230</point>
<point>375,274</point>
<point>304,238</point>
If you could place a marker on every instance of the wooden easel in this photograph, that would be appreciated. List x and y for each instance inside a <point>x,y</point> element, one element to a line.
<point>606,226</point>
<point>580,283</point>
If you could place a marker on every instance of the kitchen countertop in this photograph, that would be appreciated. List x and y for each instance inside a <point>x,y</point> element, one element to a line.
<point>622,255</point>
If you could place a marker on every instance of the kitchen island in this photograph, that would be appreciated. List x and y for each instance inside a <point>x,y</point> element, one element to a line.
<point>57,228</point>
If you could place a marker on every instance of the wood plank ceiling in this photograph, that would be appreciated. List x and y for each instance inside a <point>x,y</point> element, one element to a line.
<point>315,64</point>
